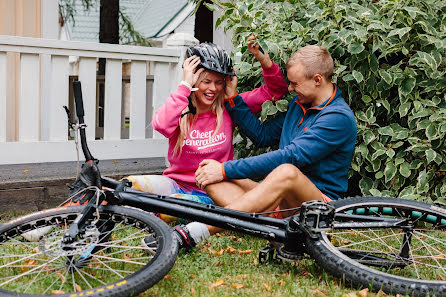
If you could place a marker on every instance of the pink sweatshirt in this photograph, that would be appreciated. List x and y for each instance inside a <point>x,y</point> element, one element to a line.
<point>199,143</point>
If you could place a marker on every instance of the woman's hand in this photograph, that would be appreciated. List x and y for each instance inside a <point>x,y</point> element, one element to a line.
<point>231,86</point>
<point>189,67</point>
<point>263,58</point>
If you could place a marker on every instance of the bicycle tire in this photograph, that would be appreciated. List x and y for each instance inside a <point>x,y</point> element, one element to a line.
<point>338,252</point>
<point>108,261</point>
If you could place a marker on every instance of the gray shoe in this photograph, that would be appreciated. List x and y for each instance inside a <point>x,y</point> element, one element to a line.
<point>149,244</point>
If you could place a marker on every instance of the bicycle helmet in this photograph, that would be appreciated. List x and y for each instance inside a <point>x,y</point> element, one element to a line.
<point>212,57</point>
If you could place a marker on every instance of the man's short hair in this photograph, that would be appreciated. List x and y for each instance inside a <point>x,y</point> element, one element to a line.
<point>315,59</point>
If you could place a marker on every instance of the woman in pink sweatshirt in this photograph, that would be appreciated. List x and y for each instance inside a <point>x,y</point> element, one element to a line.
<point>197,124</point>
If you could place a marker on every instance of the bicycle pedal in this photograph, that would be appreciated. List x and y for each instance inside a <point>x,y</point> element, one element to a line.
<point>267,255</point>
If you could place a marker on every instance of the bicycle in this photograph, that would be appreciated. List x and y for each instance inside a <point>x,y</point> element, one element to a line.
<point>388,244</point>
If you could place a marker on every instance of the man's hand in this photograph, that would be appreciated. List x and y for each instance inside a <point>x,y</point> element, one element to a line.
<point>208,172</point>
<point>231,86</point>
<point>263,58</point>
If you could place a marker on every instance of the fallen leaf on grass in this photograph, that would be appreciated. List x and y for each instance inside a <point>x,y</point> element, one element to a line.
<point>217,283</point>
<point>47,270</point>
<point>255,262</point>
<point>245,252</point>
<point>363,292</point>
<point>217,234</point>
<point>192,291</point>
<point>237,286</point>
<point>266,286</point>
<point>281,282</point>
<point>380,293</point>
<point>217,253</point>
<point>350,295</point>
<point>57,292</point>
<point>126,256</point>
<point>241,276</point>
<point>78,288</point>
<point>167,277</point>
<point>319,292</point>
<point>231,250</point>
<point>59,275</point>
<point>441,277</point>
<point>192,275</point>
<point>27,263</point>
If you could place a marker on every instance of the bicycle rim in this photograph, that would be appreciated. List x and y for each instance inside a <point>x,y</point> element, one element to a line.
<point>108,260</point>
<point>395,260</point>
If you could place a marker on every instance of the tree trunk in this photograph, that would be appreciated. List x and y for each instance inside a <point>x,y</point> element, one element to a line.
<point>108,26</point>
<point>204,23</point>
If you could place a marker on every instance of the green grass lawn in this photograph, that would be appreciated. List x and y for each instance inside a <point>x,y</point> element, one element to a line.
<point>227,265</point>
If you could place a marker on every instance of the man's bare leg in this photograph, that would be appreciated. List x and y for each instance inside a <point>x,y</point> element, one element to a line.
<point>286,186</point>
<point>227,192</point>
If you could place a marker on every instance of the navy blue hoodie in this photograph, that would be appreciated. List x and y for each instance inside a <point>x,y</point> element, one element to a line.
<point>318,140</point>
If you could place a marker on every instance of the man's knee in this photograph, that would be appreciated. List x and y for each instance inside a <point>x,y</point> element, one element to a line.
<point>213,188</point>
<point>287,174</point>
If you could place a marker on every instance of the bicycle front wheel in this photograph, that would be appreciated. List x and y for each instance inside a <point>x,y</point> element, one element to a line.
<point>407,260</point>
<point>105,260</point>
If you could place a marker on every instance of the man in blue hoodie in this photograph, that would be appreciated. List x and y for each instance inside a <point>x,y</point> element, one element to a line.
<point>317,138</point>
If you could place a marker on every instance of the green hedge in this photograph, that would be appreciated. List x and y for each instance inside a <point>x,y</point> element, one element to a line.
<point>390,62</point>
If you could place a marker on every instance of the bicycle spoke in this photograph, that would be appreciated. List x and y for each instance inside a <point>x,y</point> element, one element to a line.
<point>364,242</point>
<point>429,248</point>
<point>120,260</point>
<point>79,272</point>
<point>111,269</point>
<point>92,276</point>
<point>28,272</point>
<point>63,278</point>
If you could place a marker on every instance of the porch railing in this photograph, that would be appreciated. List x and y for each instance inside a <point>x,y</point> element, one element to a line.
<point>35,76</point>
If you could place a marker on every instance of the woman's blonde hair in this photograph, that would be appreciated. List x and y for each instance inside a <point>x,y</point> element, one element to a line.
<point>188,120</point>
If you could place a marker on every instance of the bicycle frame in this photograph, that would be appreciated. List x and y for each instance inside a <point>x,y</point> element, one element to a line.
<point>312,218</point>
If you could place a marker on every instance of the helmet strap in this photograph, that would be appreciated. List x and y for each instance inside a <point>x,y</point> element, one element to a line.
<point>192,109</point>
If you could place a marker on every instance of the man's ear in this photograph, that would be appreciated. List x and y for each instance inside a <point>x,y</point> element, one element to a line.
<point>318,79</point>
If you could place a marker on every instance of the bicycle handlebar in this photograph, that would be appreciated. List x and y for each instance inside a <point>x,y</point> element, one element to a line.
<point>80,115</point>
<point>78,100</point>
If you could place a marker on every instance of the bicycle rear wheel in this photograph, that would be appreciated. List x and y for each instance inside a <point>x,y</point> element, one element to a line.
<point>397,260</point>
<point>106,260</point>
